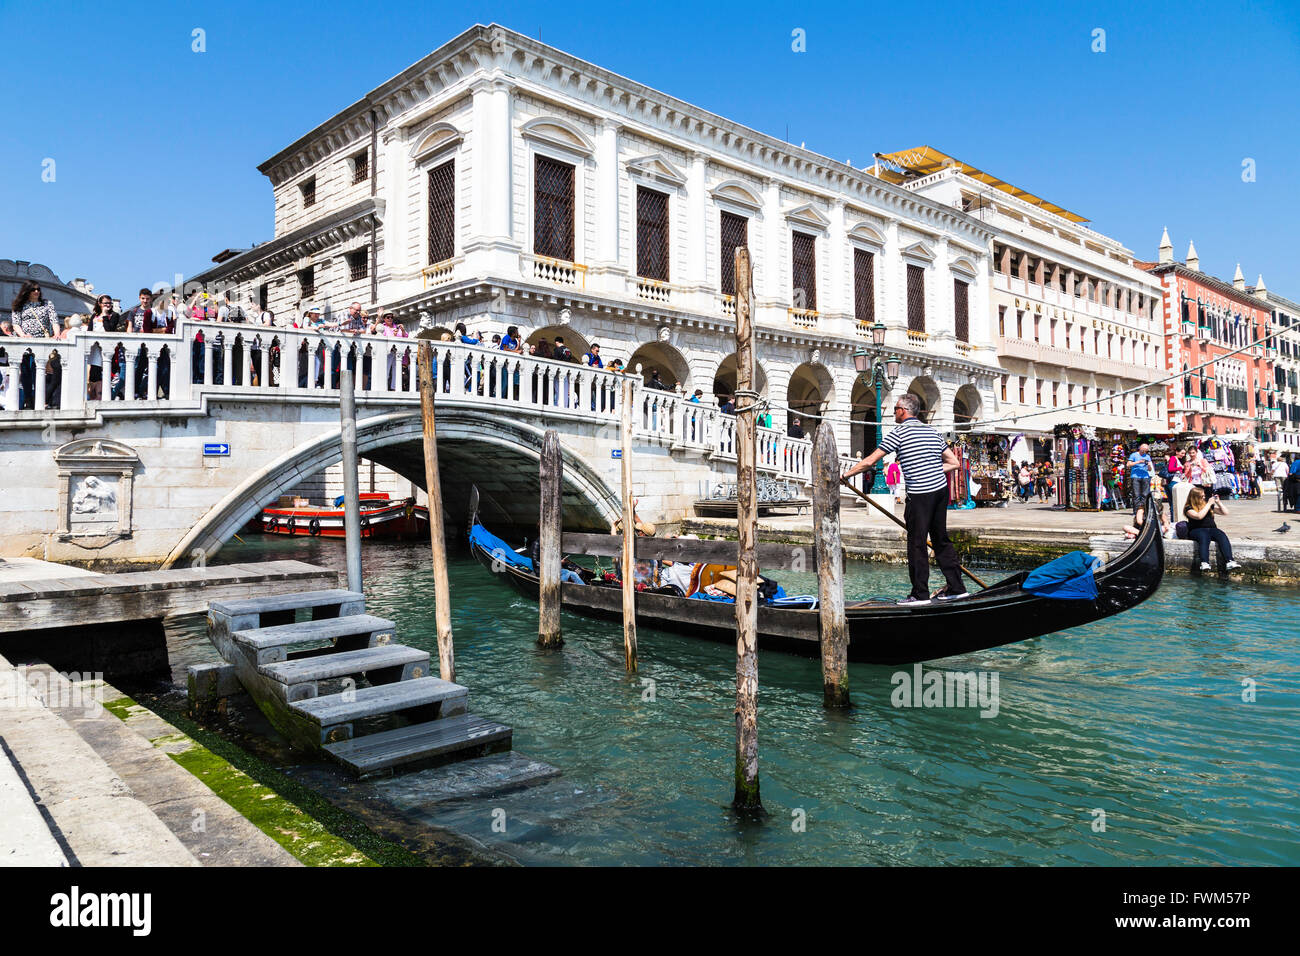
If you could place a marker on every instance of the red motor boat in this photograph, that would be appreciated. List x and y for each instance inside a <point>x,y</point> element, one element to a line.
<point>382,517</point>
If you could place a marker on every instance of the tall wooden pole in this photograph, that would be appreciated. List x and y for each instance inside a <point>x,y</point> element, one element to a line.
<point>549,528</point>
<point>746,798</point>
<point>629,533</point>
<point>351,480</point>
<point>437,545</point>
<point>830,568</point>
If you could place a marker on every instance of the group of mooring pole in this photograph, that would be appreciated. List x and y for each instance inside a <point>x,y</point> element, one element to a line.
<point>828,557</point>
<point>828,547</point>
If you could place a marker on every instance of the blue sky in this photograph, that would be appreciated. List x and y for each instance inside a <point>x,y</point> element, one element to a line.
<point>155,147</point>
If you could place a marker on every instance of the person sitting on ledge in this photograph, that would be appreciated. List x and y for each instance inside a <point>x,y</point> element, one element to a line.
<point>1201,528</point>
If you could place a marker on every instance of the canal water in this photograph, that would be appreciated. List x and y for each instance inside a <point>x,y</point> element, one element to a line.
<point>1126,742</point>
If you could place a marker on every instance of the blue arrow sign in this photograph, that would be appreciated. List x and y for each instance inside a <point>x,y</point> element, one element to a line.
<point>616,453</point>
<point>216,449</point>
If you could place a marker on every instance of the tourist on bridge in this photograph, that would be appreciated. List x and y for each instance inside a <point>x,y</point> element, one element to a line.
<point>592,357</point>
<point>511,342</point>
<point>560,352</point>
<point>695,399</point>
<point>795,430</point>
<point>657,382</point>
<point>925,459</point>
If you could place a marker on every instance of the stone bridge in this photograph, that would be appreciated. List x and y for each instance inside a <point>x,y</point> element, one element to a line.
<point>130,477</point>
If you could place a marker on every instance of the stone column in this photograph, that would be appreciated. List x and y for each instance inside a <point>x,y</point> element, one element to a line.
<point>775,294</point>
<point>607,201</point>
<point>491,245</point>
<point>838,305</point>
<point>151,389</point>
<point>695,275</point>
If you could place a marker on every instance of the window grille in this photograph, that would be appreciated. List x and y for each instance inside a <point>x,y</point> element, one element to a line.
<point>652,252</point>
<point>864,286</point>
<point>915,299</point>
<point>361,167</point>
<point>803,270</point>
<point>442,212</point>
<point>307,282</point>
<point>961,312</point>
<point>553,209</point>
<point>359,263</point>
<point>734,232</point>
<point>308,192</point>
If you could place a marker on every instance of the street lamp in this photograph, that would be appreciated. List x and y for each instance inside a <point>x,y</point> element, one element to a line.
<point>874,369</point>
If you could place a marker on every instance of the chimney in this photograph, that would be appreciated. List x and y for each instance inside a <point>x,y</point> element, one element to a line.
<point>1239,280</point>
<point>1193,260</point>
<point>1166,247</point>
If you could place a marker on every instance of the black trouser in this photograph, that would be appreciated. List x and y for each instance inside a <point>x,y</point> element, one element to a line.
<point>1203,537</point>
<point>926,517</point>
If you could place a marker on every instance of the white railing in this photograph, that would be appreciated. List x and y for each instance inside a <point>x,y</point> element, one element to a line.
<point>159,373</point>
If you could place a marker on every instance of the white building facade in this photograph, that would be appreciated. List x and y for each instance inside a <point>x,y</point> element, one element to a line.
<point>1075,321</point>
<point>500,182</point>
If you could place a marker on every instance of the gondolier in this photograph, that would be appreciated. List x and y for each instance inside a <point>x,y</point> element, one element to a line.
<point>926,460</point>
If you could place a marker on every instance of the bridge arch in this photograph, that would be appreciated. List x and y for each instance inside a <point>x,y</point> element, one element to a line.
<point>473,447</point>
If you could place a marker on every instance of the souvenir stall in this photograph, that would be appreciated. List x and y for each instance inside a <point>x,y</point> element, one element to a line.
<point>985,468</point>
<point>1228,459</point>
<point>1091,467</point>
<point>959,480</point>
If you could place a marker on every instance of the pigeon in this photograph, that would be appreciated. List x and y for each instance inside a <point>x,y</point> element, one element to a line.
<point>1282,530</point>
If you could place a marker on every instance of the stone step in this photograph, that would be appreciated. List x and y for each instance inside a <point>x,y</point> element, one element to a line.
<point>90,811</point>
<point>334,713</point>
<point>288,602</point>
<point>353,632</point>
<point>25,837</point>
<point>394,658</point>
<point>420,742</point>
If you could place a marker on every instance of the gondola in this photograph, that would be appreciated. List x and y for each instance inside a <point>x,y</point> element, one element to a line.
<point>879,632</point>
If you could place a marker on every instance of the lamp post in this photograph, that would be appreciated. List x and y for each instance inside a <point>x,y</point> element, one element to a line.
<point>874,369</point>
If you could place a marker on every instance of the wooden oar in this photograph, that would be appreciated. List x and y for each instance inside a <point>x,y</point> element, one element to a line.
<point>890,515</point>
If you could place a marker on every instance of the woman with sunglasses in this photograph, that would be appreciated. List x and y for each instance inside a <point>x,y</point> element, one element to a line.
<point>35,317</point>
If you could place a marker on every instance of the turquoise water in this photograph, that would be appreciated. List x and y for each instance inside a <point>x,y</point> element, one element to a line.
<point>1140,716</point>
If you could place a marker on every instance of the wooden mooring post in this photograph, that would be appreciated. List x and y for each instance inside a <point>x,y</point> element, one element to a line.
<point>351,478</point>
<point>747,797</point>
<point>437,542</point>
<point>550,527</point>
<point>629,531</point>
<point>830,568</point>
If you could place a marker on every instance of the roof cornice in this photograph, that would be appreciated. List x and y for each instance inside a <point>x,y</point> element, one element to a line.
<point>1218,285</point>
<point>522,59</point>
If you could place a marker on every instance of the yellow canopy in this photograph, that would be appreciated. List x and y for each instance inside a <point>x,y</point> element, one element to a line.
<point>925,160</point>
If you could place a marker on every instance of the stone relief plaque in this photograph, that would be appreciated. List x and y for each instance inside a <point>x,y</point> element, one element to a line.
<point>96,482</point>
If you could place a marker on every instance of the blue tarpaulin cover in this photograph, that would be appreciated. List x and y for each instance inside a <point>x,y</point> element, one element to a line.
<point>1068,578</point>
<point>494,546</point>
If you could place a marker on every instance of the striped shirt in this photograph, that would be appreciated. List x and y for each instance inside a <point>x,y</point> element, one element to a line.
<point>920,454</point>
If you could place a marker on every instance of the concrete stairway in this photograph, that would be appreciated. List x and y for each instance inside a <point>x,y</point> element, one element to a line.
<point>336,682</point>
<point>60,797</point>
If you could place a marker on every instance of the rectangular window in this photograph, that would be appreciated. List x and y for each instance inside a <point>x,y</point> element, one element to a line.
<point>1037,319</point>
<point>361,167</point>
<point>263,292</point>
<point>864,286</point>
<point>1069,394</point>
<point>1002,320</point>
<point>1022,389</point>
<point>915,299</point>
<point>1055,394</point>
<point>1004,387</point>
<point>651,234</point>
<point>803,270</point>
<point>735,233</point>
<point>553,209</point>
<point>1052,342</point>
<point>961,310</point>
<point>308,190</point>
<point>1020,324</point>
<point>442,212</point>
<point>307,282</point>
<point>359,264</point>
<point>1038,391</point>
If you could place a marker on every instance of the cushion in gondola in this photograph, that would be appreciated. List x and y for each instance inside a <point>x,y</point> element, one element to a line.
<point>1068,578</point>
